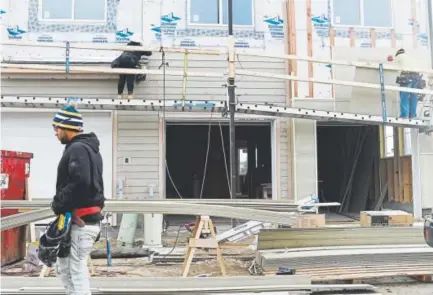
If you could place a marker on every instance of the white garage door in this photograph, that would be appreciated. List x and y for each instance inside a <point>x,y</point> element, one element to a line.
<point>32,132</point>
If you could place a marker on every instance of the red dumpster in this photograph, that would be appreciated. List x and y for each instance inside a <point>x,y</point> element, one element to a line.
<point>15,169</point>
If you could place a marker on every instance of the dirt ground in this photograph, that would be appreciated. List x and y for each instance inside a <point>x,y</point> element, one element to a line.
<point>406,289</point>
<point>141,267</point>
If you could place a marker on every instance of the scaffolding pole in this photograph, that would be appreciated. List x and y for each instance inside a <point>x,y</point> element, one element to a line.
<point>232,103</point>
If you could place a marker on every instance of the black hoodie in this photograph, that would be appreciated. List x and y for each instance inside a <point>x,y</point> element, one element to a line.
<point>130,59</point>
<point>79,177</point>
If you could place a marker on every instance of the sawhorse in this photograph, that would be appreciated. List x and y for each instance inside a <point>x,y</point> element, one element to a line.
<point>203,225</point>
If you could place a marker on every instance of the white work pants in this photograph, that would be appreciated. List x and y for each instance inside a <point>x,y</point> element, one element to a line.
<point>73,270</point>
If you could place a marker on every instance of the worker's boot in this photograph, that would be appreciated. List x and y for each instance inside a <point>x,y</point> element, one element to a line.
<point>131,96</point>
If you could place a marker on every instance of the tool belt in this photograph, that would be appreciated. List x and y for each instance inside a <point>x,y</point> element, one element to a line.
<point>406,78</point>
<point>54,243</point>
<point>81,212</point>
<point>428,231</point>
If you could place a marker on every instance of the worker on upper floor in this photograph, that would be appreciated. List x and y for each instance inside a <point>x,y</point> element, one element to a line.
<point>408,79</point>
<point>129,60</point>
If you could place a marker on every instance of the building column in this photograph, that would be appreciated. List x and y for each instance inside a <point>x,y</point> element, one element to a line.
<point>416,175</point>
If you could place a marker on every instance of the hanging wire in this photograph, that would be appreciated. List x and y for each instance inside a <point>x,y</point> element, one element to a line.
<point>207,154</point>
<point>225,159</point>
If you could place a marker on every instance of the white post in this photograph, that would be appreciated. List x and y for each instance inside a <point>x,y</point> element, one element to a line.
<point>416,175</point>
<point>152,230</point>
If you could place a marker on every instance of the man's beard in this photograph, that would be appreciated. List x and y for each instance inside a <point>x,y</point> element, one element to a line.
<point>64,140</point>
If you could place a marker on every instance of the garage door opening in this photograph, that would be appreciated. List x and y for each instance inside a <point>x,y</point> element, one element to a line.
<point>348,166</point>
<point>186,150</point>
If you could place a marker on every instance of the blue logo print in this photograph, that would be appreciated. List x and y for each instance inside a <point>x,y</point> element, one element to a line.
<point>2,11</point>
<point>423,38</point>
<point>321,24</point>
<point>168,26</point>
<point>15,33</point>
<point>275,25</point>
<point>123,35</point>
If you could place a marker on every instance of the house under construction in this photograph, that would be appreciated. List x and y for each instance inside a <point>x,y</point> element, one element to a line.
<point>310,115</point>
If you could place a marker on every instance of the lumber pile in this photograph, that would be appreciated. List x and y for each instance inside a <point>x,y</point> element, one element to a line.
<point>350,262</point>
<point>161,207</point>
<point>343,253</point>
<point>344,236</point>
<point>269,205</point>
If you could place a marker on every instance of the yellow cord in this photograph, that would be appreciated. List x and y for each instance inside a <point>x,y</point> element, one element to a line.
<point>185,77</point>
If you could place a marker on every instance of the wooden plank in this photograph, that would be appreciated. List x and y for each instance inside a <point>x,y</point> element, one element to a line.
<point>390,178</point>
<point>352,37</point>
<point>310,47</point>
<point>373,37</point>
<point>287,50</point>
<point>332,237</point>
<point>407,180</point>
<point>292,43</point>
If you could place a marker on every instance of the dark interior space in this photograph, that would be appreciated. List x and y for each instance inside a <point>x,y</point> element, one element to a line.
<point>186,149</point>
<point>348,166</point>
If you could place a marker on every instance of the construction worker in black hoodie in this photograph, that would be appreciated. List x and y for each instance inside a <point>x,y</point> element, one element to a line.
<point>129,60</point>
<point>80,191</point>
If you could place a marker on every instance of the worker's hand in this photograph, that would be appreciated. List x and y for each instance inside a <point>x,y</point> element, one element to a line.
<point>390,58</point>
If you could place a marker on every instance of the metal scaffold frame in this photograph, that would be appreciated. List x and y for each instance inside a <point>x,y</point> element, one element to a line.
<point>209,106</point>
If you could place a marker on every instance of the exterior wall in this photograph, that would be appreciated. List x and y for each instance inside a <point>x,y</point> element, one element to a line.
<point>138,154</point>
<point>166,22</point>
<point>138,133</point>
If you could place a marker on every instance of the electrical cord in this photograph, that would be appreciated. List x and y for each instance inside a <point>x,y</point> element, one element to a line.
<point>175,243</point>
<point>207,155</point>
<point>225,159</point>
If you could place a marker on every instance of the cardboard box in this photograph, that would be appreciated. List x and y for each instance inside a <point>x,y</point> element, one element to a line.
<point>386,218</point>
<point>311,221</point>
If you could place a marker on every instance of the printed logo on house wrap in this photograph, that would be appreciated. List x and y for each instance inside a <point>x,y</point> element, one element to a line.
<point>423,39</point>
<point>2,12</point>
<point>321,25</point>
<point>15,33</point>
<point>276,26</point>
<point>167,26</point>
<point>123,36</point>
<point>99,39</point>
<point>45,38</point>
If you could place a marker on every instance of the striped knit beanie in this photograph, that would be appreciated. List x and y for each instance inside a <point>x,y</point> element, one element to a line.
<point>69,118</point>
